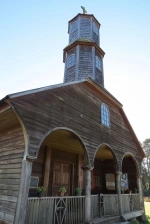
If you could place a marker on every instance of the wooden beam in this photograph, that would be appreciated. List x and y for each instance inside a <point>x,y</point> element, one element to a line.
<point>80,171</point>
<point>47,169</point>
<point>23,192</point>
<point>4,108</point>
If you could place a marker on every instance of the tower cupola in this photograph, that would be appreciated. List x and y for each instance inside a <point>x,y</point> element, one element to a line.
<point>83,57</point>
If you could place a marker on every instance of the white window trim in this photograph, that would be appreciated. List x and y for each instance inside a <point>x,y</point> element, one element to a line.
<point>106,122</point>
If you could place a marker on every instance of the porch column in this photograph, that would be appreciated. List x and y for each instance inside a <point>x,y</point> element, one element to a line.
<point>118,186</point>
<point>87,187</point>
<point>47,169</point>
<point>139,184</point>
<point>23,190</point>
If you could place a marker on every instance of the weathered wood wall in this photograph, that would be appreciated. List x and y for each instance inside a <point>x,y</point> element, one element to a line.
<point>12,148</point>
<point>76,107</point>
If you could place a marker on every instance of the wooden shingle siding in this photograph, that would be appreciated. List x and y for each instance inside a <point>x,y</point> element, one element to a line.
<point>85,62</point>
<point>76,107</point>
<point>95,37</point>
<point>85,28</point>
<point>70,72</point>
<point>11,154</point>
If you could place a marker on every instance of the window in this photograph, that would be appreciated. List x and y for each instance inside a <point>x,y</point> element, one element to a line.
<point>98,63</point>
<point>71,60</point>
<point>34,182</point>
<point>74,26</point>
<point>105,119</point>
<point>95,28</point>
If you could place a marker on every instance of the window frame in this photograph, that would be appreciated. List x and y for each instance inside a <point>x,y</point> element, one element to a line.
<point>70,60</point>
<point>105,115</point>
<point>74,26</point>
<point>98,63</point>
<point>95,28</point>
<point>37,183</point>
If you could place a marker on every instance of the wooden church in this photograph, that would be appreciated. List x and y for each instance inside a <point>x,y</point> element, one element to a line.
<point>72,137</point>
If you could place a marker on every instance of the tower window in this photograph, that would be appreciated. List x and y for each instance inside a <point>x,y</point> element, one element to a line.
<point>71,61</point>
<point>74,26</point>
<point>105,116</point>
<point>98,63</point>
<point>95,28</point>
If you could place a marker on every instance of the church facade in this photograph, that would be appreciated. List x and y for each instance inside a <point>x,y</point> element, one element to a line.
<point>74,136</point>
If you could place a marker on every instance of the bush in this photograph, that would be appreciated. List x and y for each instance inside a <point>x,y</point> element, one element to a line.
<point>134,221</point>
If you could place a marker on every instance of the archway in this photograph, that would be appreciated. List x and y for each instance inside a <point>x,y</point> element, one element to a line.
<point>61,155</point>
<point>130,172</point>
<point>105,167</point>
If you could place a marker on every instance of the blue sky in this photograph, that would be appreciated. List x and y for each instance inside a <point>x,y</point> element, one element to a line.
<point>33,34</point>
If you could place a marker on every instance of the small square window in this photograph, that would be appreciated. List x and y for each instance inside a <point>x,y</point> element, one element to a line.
<point>34,181</point>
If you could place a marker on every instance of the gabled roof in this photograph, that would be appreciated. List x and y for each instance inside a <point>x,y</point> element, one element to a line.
<point>93,85</point>
<point>87,81</point>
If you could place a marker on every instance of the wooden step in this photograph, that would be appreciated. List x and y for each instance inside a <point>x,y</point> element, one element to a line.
<point>121,223</point>
<point>106,220</point>
<point>110,220</point>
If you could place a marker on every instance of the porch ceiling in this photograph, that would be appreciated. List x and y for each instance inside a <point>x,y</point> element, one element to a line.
<point>65,141</point>
<point>104,153</point>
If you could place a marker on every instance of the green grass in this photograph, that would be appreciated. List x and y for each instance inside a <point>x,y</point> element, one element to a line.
<point>147,211</point>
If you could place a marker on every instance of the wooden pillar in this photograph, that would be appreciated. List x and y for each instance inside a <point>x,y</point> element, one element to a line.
<point>118,186</point>
<point>80,171</point>
<point>139,184</point>
<point>47,169</point>
<point>87,187</point>
<point>23,191</point>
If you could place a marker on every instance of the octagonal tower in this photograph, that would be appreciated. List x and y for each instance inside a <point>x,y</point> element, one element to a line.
<point>83,57</point>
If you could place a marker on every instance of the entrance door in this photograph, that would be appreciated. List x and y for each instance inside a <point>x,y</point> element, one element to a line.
<point>61,177</point>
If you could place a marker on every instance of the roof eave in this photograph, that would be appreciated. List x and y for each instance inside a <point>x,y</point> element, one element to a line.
<point>79,42</point>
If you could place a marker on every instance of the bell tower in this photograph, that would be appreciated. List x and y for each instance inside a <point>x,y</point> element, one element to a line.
<point>83,57</point>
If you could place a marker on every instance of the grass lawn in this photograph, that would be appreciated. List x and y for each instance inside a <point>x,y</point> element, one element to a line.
<point>147,208</point>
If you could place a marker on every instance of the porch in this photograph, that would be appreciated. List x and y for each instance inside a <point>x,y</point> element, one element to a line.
<point>71,209</point>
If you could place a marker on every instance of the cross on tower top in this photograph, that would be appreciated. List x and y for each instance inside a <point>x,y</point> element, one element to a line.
<point>84,10</point>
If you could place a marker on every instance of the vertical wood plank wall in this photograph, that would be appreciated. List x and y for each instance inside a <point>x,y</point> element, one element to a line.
<point>11,154</point>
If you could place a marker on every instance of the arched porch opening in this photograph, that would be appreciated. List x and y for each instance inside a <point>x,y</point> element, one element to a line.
<point>103,174</point>
<point>61,156</point>
<point>130,172</point>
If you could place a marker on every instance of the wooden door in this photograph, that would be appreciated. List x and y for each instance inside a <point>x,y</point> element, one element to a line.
<point>61,177</point>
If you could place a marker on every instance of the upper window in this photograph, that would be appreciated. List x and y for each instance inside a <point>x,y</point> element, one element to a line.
<point>105,117</point>
<point>74,26</point>
<point>95,28</point>
<point>98,63</point>
<point>71,61</point>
